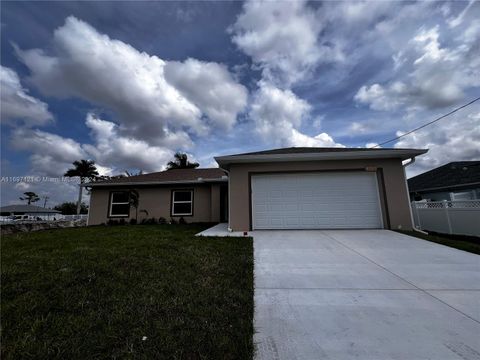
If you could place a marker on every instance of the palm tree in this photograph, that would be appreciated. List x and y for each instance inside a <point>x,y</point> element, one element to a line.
<point>84,169</point>
<point>119,176</point>
<point>181,162</point>
<point>30,197</point>
<point>134,197</point>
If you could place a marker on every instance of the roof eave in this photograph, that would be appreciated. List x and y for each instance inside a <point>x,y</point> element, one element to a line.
<point>225,161</point>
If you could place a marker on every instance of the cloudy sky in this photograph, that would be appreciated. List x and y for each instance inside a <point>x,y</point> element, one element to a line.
<point>129,83</point>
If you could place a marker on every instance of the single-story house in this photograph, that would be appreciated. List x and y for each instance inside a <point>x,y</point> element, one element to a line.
<point>23,211</point>
<point>459,180</point>
<point>289,188</point>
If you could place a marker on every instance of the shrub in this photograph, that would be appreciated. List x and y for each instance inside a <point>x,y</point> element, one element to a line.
<point>112,222</point>
<point>162,221</point>
<point>133,221</point>
<point>182,221</point>
<point>173,221</point>
<point>151,221</point>
<point>122,222</point>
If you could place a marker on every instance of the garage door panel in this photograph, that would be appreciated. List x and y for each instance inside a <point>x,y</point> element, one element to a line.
<point>292,207</point>
<point>276,221</point>
<point>315,200</point>
<point>308,221</point>
<point>292,221</point>
<point>307,207</point>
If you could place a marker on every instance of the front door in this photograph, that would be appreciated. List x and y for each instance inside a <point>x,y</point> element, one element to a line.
<point>224,203</point>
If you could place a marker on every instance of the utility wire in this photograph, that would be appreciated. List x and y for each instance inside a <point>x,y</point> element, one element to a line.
<point>429,123</point>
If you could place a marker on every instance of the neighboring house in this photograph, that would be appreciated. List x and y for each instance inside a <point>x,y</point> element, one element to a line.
<point>291,188</point>
<point>458,180</point>
<point>28,212</point>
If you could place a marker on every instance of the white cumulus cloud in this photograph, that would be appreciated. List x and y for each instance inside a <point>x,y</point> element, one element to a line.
<point>134,84</point>
<point>437,75</point>
<point>381,98</point>
<point>283,40</point>
<point>51,154</point>
<point>454,139</point>
<point>278,113</point>
<point>211,87</point>
<point>120,152</point>
<point>282,37</point>
<point>17,105</point>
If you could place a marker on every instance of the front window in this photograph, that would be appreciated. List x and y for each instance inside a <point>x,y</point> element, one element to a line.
<point>182,202</point>
<point>119,204</point>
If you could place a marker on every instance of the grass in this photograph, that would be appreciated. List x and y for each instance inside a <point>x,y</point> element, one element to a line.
<point>461,242</point>
<point>96,293</point>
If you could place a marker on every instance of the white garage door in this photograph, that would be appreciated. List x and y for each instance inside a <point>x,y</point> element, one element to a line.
<point>322,200</point>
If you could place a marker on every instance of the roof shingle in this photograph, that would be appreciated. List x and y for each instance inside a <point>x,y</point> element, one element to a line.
<point>452,174</point>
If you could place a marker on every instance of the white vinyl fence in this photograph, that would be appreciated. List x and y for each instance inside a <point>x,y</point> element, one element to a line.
<point>448,217</point>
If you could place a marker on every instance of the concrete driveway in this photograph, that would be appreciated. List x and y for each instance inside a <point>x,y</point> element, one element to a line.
<point>364,294</point>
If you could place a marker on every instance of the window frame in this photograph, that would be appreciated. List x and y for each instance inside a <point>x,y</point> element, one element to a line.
<point>110,215</point>
<point>173,202</point>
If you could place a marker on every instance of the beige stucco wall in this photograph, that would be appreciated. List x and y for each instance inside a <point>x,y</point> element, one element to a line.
<point>395,203</point>
<point>156,200</point>
<point>215,202</point>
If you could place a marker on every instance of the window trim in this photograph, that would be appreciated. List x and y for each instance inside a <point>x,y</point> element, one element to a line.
<point>173,202</point>
<point>110,215</point>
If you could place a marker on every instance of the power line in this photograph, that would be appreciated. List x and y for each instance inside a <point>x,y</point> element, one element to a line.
<point>429,123</point>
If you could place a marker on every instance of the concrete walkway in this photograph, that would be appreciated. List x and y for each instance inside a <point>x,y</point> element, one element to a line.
<point>220,230</point>
<point>364,294</point>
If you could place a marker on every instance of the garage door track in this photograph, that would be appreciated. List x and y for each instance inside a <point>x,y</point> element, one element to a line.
<point>364,294</point>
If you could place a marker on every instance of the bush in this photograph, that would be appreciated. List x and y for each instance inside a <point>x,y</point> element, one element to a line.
<point>133,221</point>
<point>122,222</point>
<point>112,222</point>
<point>182,221</point>
<point>173,221</point>
<point>162,221</point>
<point>151,221</point>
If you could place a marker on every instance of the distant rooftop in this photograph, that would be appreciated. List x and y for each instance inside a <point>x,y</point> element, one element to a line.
<point>22,208</point>
<point>454,174</point>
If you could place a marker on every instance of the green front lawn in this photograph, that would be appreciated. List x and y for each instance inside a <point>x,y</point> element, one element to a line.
<point>145,291</point>
<point>461,242</point>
